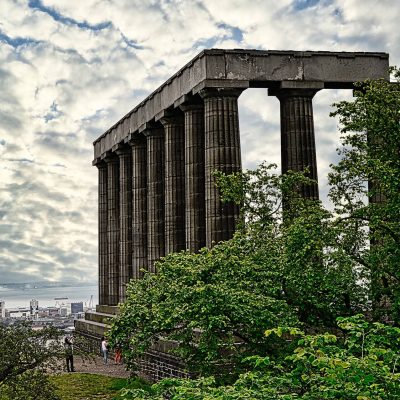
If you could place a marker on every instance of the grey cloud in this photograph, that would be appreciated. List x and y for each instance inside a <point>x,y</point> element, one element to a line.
<point>9,230</point>
<point>15,247</point>
<point>28,187</point>
<point>55,141</point>
<point>12,148</point>
<point>20,160</point>
<point>13,274</point>
<point>9,122</point>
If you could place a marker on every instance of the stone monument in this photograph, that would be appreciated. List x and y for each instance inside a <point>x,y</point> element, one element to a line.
<point>156,190</point>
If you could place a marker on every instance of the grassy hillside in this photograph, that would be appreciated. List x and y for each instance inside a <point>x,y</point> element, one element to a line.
<point>79,386</point>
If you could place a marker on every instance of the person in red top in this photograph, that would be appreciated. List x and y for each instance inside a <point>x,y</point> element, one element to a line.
<point>118,355</point>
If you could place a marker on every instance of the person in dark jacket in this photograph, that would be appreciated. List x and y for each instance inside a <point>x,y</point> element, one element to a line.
<point>69,354</point>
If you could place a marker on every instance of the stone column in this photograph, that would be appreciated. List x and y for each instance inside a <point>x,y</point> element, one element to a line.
<point>380,282</point>
<point>139,205</point>
<point>125,219</point>
<point>376,195</point>
<point>155,194</point>
<point>174,183</point>
<point>113,231</point>
<point>297,135</point>
<point>103,247</point>
<point>222,153</point>
<point>194,177</point>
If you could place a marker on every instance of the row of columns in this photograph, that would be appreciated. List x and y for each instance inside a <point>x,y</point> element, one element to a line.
<point>157,193</point>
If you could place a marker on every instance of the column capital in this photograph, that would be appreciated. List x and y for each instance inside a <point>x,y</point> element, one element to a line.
<point>296,89</point>
<point>220,92</point>
<point>134,138</point>
<point>286,93</point>
<point>123,150</point>
<point>99,163</point>
<point>172,119</point>
<point>151,129</point>
<point>189,103</point>
<point>109,157</point>
<point>191,106</point>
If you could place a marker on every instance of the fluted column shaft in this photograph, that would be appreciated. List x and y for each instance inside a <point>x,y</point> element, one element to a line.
<point>103,247</point>
<point>125,201</point>
<point>195,219</point>
<point>113,231</point>
<point>297,135</point>
<point>174,183</point>
<point>155,195</point>
<point>376,195</point>
<point>139,205</point>
<point>222,153</point>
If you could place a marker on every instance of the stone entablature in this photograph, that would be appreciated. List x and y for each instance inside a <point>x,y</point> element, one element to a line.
<point>243,69</point>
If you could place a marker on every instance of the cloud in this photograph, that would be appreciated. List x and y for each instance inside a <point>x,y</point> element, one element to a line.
<point>69,70</point>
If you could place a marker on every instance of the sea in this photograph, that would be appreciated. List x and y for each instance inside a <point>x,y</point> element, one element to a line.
<point>48,296</point>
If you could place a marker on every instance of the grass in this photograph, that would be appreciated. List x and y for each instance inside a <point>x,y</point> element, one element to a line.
<point>83,386</point>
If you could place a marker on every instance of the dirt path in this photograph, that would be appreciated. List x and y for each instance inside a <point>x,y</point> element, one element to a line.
<point>97,366</point>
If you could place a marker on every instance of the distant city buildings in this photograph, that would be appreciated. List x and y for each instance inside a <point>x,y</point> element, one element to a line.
<point>20,313</point>
<point>61,315</point>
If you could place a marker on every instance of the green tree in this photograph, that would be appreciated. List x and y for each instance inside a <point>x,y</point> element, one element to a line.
<point>365,188</point>
<point>210,305</point>
<point>317,277</point>
<point>26,356</point>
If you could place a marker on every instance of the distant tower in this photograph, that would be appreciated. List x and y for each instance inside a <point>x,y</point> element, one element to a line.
<point>34,306</point>
<point>2,309</point>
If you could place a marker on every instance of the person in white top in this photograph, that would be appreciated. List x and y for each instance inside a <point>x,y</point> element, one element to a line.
<point>104,349</point>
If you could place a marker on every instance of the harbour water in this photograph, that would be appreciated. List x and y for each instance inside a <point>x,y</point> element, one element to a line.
<point>47,296</point>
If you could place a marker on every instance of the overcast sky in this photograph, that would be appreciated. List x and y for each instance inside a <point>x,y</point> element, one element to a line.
<point>69,69</point>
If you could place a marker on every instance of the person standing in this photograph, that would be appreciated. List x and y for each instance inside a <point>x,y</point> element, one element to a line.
<point>69,354</point>
<point>118,355</point>
<point>104,349</point>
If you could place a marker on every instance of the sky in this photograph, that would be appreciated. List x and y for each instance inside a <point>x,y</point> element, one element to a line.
<point>69,69</point>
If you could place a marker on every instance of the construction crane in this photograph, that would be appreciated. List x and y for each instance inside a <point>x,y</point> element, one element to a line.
<point>90,305</point>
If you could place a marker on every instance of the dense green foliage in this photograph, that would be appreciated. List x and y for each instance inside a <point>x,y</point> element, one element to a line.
<point>317,277</point>
<point>360,362</point>
<point>300,265</point>
<point>207,303</point>
<point>26,356</point>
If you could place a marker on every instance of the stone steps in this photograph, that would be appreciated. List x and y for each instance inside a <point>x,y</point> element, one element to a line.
<point>90,328</point>
<point>98,317</point>
<point>105,309</point>
<point>96,323</point>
